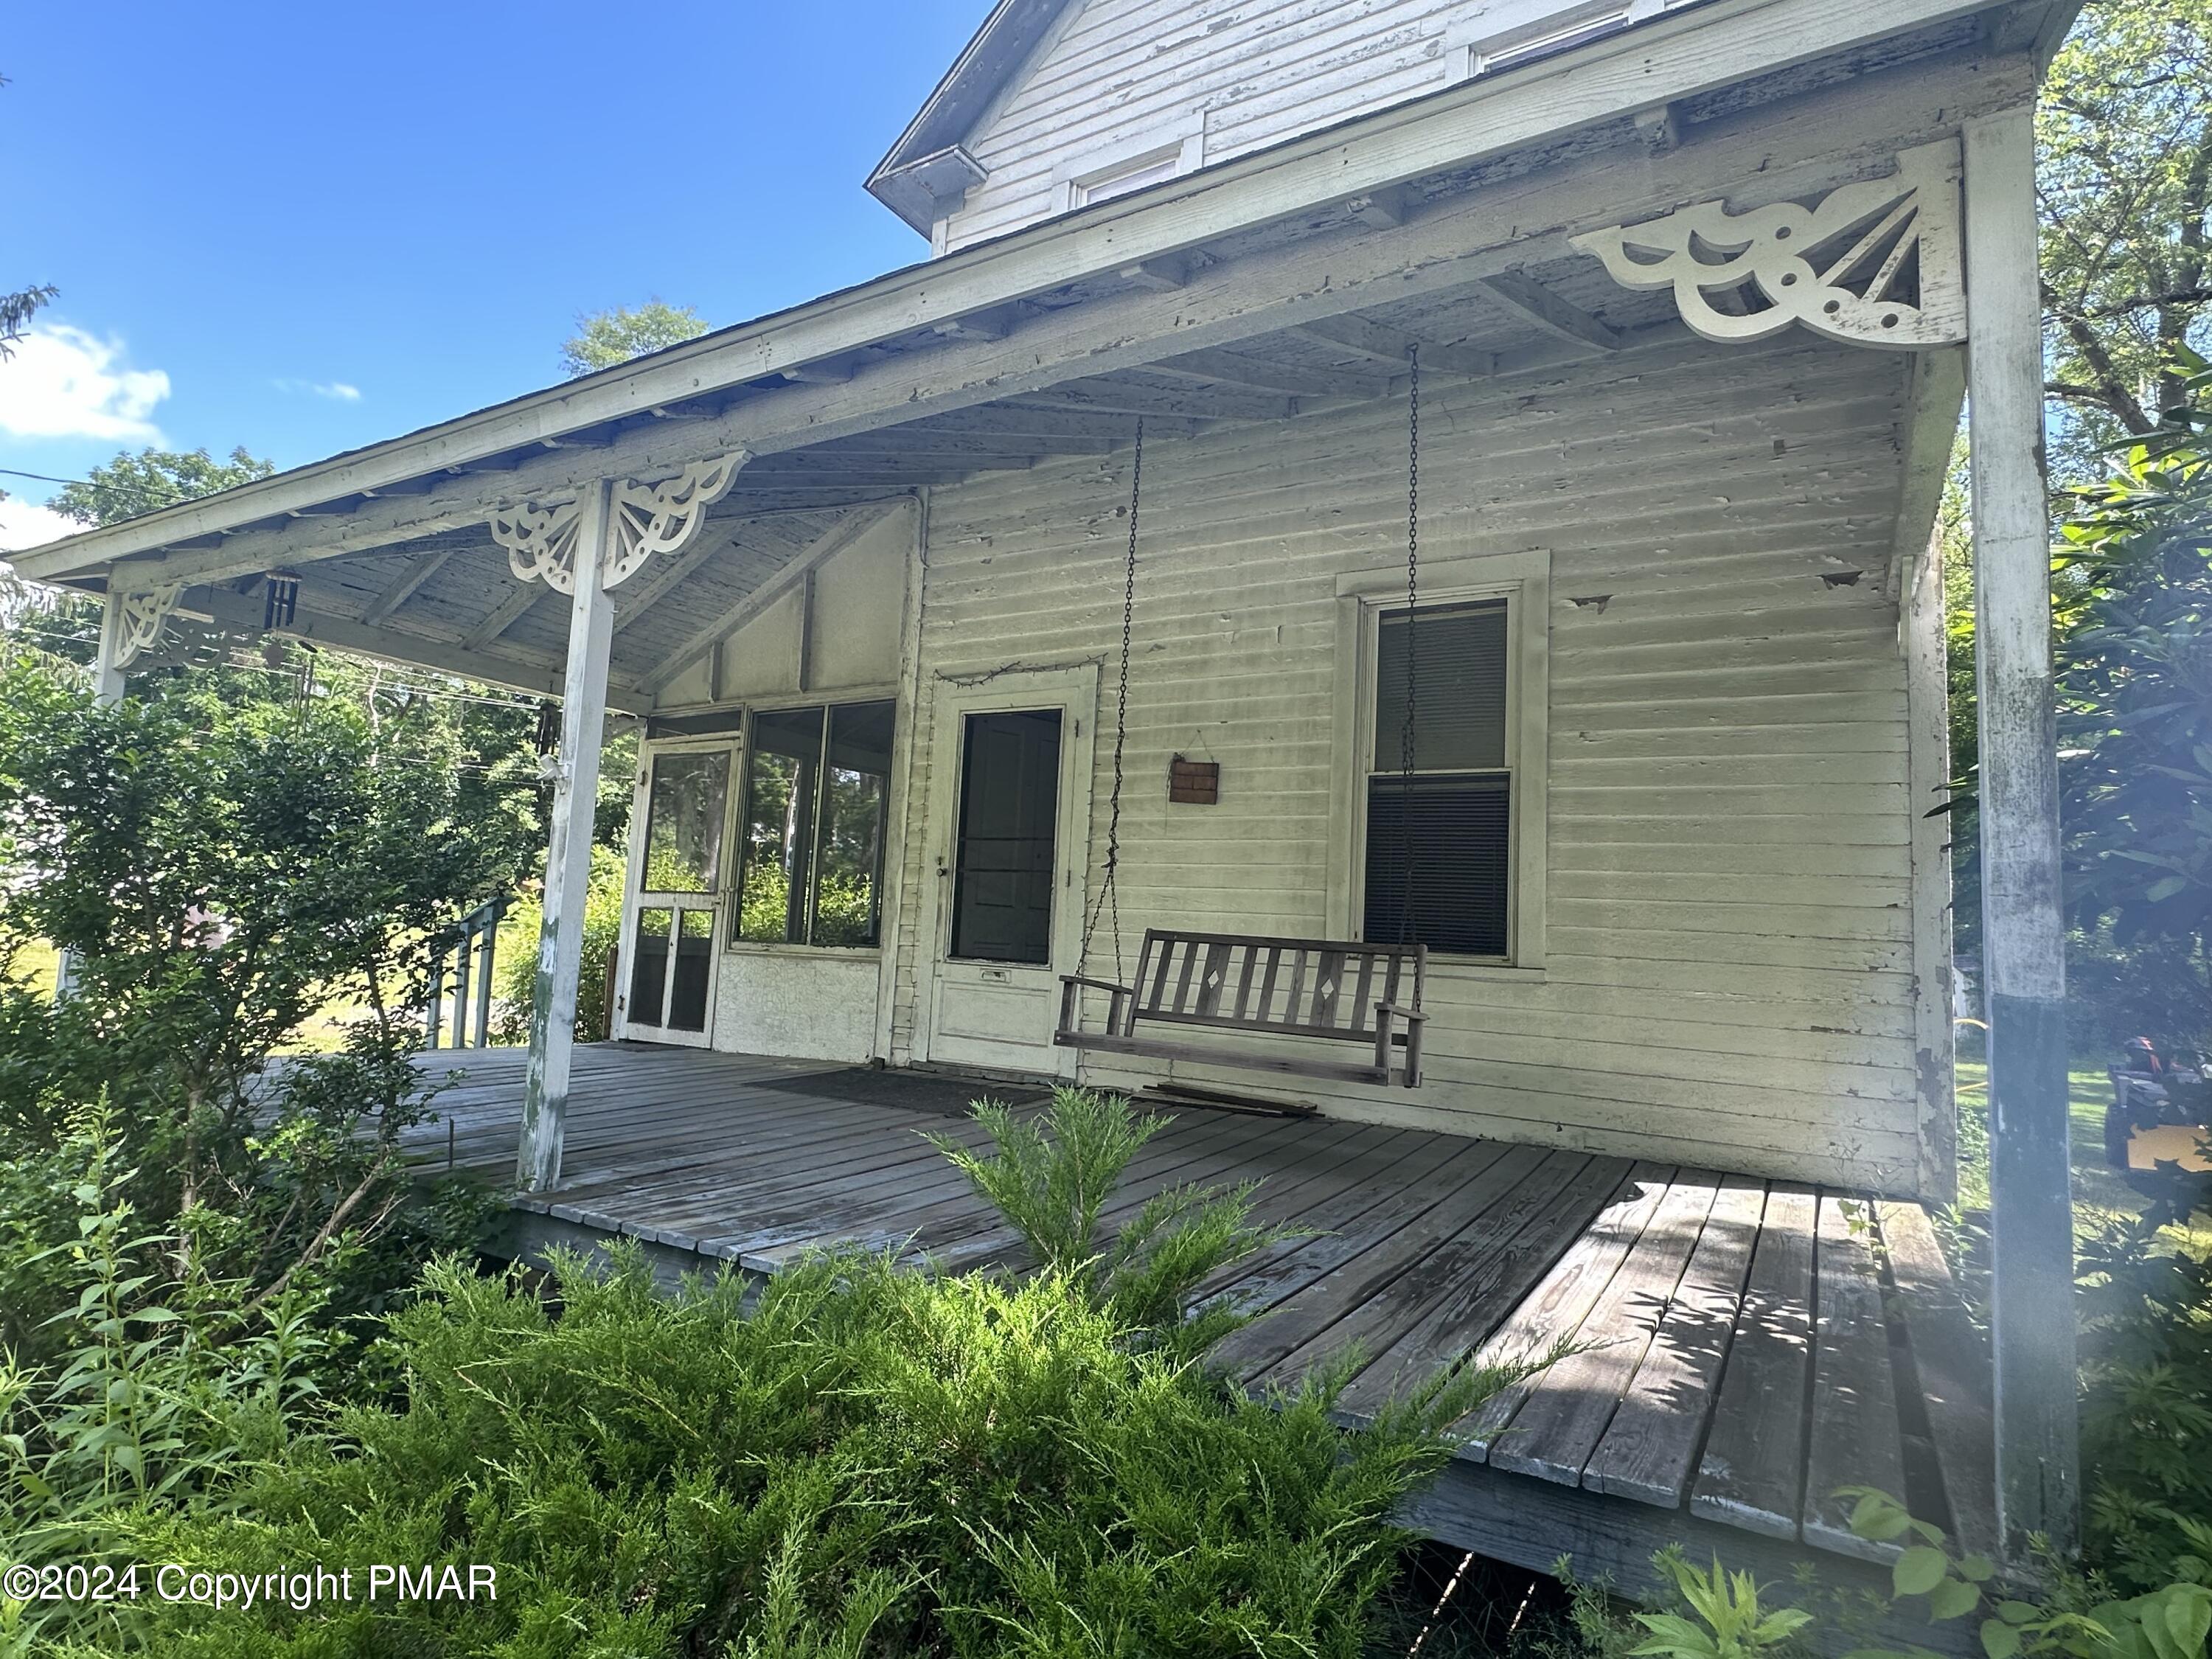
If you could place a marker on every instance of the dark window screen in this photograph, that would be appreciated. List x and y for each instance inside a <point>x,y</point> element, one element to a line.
<point>1443,848</point>
<point>1461,845</point>
<point>1009,803</point>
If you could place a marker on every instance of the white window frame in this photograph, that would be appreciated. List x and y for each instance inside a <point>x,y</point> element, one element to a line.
<point>1182,141</point>
<point>1523,581</point>
<point>1471,51</point>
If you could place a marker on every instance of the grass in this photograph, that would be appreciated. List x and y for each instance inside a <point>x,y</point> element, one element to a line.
<point>40,962</point>
<point>2100,1192</point>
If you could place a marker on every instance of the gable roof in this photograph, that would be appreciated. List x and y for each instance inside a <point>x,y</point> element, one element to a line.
<point>928,164</point>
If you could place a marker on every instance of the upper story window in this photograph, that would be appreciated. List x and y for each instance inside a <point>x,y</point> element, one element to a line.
<point>1120,181</point>
<point>1559,29</point>
<point>1164,152</point>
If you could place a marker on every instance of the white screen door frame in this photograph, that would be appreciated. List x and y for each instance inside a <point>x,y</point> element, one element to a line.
<point>1001,1015</point>
<point>691,914</point>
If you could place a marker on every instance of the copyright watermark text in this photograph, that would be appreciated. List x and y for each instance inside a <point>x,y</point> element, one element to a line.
<point>300,1588</point>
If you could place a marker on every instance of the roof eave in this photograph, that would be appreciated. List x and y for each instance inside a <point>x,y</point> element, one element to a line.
<point>1518,110</point>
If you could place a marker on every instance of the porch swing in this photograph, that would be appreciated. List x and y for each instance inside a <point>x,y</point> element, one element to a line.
<point>1334,991</point>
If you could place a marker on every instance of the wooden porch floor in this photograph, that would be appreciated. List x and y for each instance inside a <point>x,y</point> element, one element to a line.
<point>1751,1345</point>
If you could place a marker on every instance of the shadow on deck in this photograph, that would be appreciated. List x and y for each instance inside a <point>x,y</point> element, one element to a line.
<point>1751,1345</point>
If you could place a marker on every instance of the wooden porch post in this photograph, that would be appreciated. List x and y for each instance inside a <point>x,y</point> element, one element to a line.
<point>2023,935</point>
<point>107,666</point>
<point>568,858</point>
<point>107,683</point>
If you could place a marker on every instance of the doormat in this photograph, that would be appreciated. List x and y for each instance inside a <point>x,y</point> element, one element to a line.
<point>867,1085</point>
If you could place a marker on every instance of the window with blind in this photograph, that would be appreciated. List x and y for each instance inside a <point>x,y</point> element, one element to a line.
<point>1440,837</point>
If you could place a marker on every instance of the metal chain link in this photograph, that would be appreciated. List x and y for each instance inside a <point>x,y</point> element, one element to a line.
<point>1412,661</point>
<point>1108,900</point>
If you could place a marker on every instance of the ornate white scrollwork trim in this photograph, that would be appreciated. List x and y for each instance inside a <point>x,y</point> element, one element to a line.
<point>648,520</point>
<point>540,542</point>
<point>663,518</point>
<point>139,620</point>
<point>1875,263</point>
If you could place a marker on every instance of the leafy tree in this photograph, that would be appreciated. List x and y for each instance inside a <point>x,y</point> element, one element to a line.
<point>220,870</point>
<point>2135,672</point>
<point>604,338</point>
<point>16,311</point>
<point>131,486</point>
<point>2124,180</point>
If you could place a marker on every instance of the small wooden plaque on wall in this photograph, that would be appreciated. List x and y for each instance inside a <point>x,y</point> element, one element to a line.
<point>1197,783</point>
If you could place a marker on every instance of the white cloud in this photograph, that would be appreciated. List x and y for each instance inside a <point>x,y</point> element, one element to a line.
<point>26,524</point>
<point>337,390</point>
<point>62,382</point>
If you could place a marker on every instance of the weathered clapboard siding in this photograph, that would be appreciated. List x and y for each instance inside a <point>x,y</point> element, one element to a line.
<point>1729,917</point>
<point>1115,76</point>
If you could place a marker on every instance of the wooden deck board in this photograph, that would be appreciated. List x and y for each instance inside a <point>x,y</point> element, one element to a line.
<point>1949,1356</point>
<point>1554,1312</point>
<point>1466,1233</point>
<point>1855,1434</point>
<point>1652,1442</point>
<point>1752,1473</point>
<point>1571,1405</point>
<point>1744,1361</point>
<point>1478,1302</point>
<point>1325,1315</point>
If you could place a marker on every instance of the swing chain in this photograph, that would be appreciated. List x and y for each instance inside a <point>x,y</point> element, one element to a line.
<point>1412,604</point>
<point>1108,902</point>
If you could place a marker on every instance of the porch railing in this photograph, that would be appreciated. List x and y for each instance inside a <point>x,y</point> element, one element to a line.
<point>464,956</point>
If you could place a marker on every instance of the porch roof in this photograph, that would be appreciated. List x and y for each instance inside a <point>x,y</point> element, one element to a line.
<point>1283,283</point>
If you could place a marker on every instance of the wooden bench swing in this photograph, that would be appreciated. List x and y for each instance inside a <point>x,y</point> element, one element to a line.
<point>1340,991</point>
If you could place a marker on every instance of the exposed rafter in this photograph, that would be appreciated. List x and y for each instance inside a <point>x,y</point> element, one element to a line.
<point>1533,302</point>
<point>1234,369</point>
<point>420,569</point>
<point>1393,345</point>
<point>1118,397</point>
<point>504,615</point>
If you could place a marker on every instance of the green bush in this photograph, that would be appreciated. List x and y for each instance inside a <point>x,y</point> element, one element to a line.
<point>220,871</point>
<point>518,946</point>
<point>860,1459</point>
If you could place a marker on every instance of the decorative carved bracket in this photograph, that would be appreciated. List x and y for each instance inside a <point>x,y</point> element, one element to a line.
<point>139,620</point>
<point>647,520</point>
<point>1875,263</point>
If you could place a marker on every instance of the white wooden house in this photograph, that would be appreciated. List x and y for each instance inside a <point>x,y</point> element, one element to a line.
<point>1691,289</point>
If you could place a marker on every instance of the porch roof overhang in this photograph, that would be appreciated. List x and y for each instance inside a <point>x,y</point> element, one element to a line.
<point>1278,285</point>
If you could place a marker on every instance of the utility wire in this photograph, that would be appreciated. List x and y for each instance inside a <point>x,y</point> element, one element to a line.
<point>171,494</point>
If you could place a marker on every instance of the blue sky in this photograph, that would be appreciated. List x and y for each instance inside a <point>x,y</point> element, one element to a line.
<point>301,228</point>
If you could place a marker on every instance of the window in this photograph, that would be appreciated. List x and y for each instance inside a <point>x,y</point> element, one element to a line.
<point>818,798</point>
<point>1440,843</point>
<point>1128,177</point>
<point>1165,151</point>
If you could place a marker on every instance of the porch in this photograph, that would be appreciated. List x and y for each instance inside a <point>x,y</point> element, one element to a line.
<point>1754,1345</point>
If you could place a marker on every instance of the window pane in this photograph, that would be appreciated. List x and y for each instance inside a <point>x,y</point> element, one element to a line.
<point>687,996</point>
<point>648,967</point>
<point>683,822</point>
<point>1009,803</point>
<point>1458,659</point>
<point>1460,845</point>
<point>1133,178</point>
<point>779,783</point>
<point>849,862</point>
